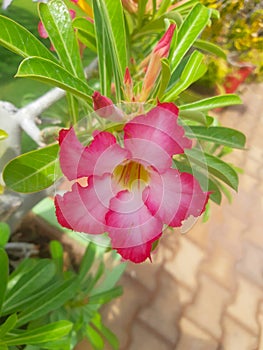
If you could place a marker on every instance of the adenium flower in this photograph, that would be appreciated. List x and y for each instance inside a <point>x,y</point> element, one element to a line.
<point>132,190</point>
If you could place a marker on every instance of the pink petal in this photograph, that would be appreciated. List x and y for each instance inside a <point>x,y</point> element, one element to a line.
<point>42,31</point>
<point>84,208</point>
<point>101,156</point>
<point>131,226</point>
<point>156,136</point>
<point>174,196</point>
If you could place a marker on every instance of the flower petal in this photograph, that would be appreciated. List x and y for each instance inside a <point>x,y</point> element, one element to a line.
<point>131,226</point>
<point>174,196</point>
<point>84,208</point>
<point>101,156</point>
<point>156,136</point>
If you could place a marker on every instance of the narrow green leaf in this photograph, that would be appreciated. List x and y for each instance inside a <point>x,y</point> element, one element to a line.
<point>192,71</point>
<point>8,325</point>
<point>194,116</point>
<point>51,73</point>
<point>3,135</point>
<point>186,5</point>
<point>19,40</point>
<point>212,103</point>
<point>87,260</point>
<point>210,48</point>
<point>56,250</point>
<point>52,300</point>
<point>189,31</point>
<point>104,297</point>
<point>111,278</point>
<point>4,233</point>
<point>85,32</point>
<point>217,134</point>
<point>110,337</point>
<point>215,166</point>
<point>165,77</point>
<point>4,271</point>
<point>58,24</point>
<point>94,338</point>
<point>31,282</point>
<point>47,333</point>
<point>33,171</point>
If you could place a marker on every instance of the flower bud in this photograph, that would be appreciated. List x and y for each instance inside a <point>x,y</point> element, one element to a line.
<point>105,108</point>
<point>160,51</point>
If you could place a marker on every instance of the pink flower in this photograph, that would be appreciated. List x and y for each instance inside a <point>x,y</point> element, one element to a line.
<point>132,190</point>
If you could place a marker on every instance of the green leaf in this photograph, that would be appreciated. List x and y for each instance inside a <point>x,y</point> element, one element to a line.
<point>217,134</point>
<point>194,116</point>
<point>33,171</point>
<point>94,338</point>
<point>19,40</point>
<point>52,300</point>
<point>111,278</point>
<point>189,31</point>
<point>4,233</point>
<point>215,166</point>
<point>57,21</point>
<point>85,32</point>
<point>111,40</point>
<point>210,48</point>
<point>4,271</point>
<point>56,250</point>
<point>30,282</point>
<point>87,260</point>
<point>8,325</point>
<point>47,333</point>
<point>3,135</point>
<point>212,102</point>
<point>104,297</point>
<point>51,73</point>
<point>110,337</point>
<point>165,77</point>
<point>192,71</point>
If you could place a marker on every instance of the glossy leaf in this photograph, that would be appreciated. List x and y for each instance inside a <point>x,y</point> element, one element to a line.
<point>215,166</point>
<point>31,282</point>
<point>47,333</point>
<point>4,270</point>
<point>19,40</point>
<point>165,77</point>
<point>8,325</point>
<point>192,71</point>
<point>33,171</point>
<point>52,300</point>
<point>87,260</point>
<point>110,337</point>
<point>94,338</point>
<point>104,297</point>
<point>210,48</point>
<point>212,103</point>
<point>51,73</point>
<point>56,251</point>
<point>111,41</point>
<point>4,233</point>
<point>57,21</point>
<point>189,31</point>
<point>217,134</point>
<point>3,135</point>
<point>85,32</point>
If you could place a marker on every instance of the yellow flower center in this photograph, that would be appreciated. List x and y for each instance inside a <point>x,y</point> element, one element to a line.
<point>131,173</point>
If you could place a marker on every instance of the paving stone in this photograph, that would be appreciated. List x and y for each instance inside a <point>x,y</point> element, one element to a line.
<point>164,311</point>
<point>186,262</point>
<point>194,338</point>
<point>145,339</point>
<point>208,306</point>
<point>251,264</point>
<point>236,337</point>
<point>260,321</point>
<point>254,234</point>
<point>245,304</point>
<point>145,273</point>
<point>119,315</point>
<point>220,264</point>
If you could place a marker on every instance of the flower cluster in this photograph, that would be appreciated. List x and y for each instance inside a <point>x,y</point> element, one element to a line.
<point>132,190</point>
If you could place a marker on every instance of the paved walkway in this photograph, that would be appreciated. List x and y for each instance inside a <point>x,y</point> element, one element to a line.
<point>204,289</point>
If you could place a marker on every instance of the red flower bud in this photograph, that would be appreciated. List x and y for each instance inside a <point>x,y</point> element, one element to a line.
<point>105,108</point>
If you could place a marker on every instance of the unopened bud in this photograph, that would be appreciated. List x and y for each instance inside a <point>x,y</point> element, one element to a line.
<point>105,108</point>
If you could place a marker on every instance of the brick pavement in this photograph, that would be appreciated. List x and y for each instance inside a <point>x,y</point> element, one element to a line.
<point>204,289</point>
